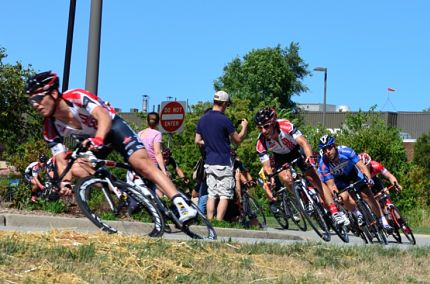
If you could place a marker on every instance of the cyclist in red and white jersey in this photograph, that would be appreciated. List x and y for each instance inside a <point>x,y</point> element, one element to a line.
<point>287,143</point>
<point>80,112</point>
<point>375,168</point>
<point>31,174</point>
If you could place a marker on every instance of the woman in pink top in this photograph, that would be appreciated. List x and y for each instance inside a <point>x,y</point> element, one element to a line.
<point>152,138</point>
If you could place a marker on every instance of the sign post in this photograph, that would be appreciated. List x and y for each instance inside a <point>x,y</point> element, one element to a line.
<point>172,116</point>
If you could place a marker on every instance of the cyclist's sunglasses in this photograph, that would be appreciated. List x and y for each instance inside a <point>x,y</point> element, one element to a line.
<point>327,148</point>
<point>37,98</point>
<point>266,126</point>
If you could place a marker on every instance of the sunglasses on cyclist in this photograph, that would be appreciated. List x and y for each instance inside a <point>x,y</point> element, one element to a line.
<point>328,148</point>
<point>37,98</point>
<point>266,126</point>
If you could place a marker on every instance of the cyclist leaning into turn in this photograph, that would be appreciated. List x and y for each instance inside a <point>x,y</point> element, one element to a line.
<point>338,168</point>
<point>80,112</point>
<point>31,174</point>
<point>287,143</point>
<point>375,168</point>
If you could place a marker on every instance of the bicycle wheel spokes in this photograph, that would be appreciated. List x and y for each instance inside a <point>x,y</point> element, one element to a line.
<point>281,216</point>
<point>97,203</point>
<point>199,227</point>
<point>313,212</point>
<point>372,227</point>
<point>401,225</point>
<point>104,209</point>
<point>252,215</point>
<point>296,214</point>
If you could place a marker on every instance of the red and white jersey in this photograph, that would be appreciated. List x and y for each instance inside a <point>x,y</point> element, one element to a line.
<point>284,144</point>
<point>81,105</point>
<point>376,168</point>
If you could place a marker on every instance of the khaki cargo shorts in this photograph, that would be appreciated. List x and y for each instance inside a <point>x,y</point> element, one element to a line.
<point>220,181</point>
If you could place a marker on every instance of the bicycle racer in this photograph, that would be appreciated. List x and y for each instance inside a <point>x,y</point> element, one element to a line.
<point>339,166</point>
<point>31,174</point>
<point>375,168</point>
<point>78,111</point>
<point>287,143</point>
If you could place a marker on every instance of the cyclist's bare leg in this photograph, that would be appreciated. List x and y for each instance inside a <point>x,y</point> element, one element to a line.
<point>145,167</point>
<point>286,179</point>
<point>323,191</point>
<point>347,202</point>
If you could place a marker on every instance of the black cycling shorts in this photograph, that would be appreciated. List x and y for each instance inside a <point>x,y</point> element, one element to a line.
<point>281,159</point>
<point>123,139</point>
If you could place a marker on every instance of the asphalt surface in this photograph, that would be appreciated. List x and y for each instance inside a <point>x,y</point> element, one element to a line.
<point>44,223</point>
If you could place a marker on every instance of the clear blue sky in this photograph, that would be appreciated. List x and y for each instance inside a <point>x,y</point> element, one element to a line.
<point>178,48</point>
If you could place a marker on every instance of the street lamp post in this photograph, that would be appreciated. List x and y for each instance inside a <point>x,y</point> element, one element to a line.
<point>323,69</point>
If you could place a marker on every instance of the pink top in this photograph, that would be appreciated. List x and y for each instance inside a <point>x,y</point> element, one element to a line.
<point>150,136</point>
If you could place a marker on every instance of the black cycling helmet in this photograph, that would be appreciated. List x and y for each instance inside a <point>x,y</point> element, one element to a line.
<point>325,141</point>
<point>43,158</point>
<point>264,116</point>
<point>42,83</point>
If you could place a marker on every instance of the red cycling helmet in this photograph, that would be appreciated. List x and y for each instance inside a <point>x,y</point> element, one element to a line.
<point>365,158</point>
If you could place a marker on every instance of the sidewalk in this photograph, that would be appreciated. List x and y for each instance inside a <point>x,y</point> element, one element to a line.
<point>28,222</point>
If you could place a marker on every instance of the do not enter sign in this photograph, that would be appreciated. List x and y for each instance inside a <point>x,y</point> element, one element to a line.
<point>172,116</point>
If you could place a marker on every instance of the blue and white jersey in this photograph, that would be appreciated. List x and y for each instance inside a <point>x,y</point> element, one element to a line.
<point>344,172</point>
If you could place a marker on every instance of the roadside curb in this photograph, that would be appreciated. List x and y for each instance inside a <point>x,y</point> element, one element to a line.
<point>126,227</point>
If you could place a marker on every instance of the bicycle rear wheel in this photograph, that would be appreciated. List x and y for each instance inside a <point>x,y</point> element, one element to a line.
<point>199,227</point>
<point>105,210</point>
<point>253,214</point>
<point>398,225</point>
<point>313,212</point>
<point>295,213</point>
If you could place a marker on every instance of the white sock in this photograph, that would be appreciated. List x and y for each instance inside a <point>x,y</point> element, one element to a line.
<point>383,220</point>
<point>356,212</point>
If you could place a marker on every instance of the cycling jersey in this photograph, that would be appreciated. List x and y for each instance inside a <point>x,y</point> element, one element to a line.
<point>81,104</point>
<point>283,145</point>
<point>344,172</point>
<point>376,168</point>
<point>32,171</point>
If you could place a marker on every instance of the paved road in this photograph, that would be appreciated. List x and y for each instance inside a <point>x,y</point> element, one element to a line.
<point>37,223</point>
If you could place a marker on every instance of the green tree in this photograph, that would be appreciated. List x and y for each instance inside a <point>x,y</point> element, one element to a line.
<point>264,75</point>
<point>18,121</point>
<point>367,132</point>
<point>421,152</point>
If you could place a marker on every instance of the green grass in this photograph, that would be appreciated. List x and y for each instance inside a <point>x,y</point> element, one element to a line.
<point>71,257</point>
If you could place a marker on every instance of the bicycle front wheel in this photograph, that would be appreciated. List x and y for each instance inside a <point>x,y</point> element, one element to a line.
<point>312,211</point>
<point>372,227</point>
<point>105,210</point>
<point>253,214</point>
<point>291,207</point>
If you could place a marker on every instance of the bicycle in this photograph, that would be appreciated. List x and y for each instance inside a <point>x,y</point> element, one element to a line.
<point>251,212</point>
<point>197,228</point>
<point>308,201</point>
<point>288,208</point>
<point>371,227</point>
<point>393,215</point>
<point>101,196</point>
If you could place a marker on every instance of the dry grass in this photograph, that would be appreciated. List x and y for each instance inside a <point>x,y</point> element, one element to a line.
<point>69,257</point>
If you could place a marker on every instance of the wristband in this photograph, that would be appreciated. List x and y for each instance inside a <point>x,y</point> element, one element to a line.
<point>97,141</point>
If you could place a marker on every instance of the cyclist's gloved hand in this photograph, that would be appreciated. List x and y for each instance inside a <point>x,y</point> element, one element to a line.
<point>95,143</point>
<point>311,161</point>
